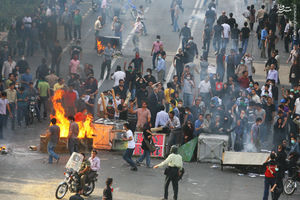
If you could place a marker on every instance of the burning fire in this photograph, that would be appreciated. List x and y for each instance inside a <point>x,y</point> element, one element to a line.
<point>100,46</point>
<point>84,121</point>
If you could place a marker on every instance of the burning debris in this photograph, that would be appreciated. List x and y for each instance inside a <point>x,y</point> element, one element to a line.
<point>83,120</point>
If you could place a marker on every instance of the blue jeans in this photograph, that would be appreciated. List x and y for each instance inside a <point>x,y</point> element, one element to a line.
<point>119,34</point>
<point>175,24</point>
<point>225,42</point>
<point>154,56</point>
<point>217,44</point>
<point>183,42</point>
<point>235,44</point>
<point>2,120</point>
<point>187,99</point>
<point>51,152</point>
<point>146,155</point>
<point>133,93</point>
<point>269,182</point>
<point>22,112</point>
<point>245,45</point>
<point>127,157</point>
<point>145,29</point>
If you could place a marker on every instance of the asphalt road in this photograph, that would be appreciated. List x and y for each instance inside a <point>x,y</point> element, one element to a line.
<point>26,174</point>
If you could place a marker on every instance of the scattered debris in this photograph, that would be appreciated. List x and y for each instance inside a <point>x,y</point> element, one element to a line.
<point>3,150</point>
<point>241,174</point>
<point>214,166</point>
<point>252,175</point>
<point>33,148</point>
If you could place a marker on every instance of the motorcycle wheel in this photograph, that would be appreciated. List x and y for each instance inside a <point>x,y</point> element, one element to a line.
<point>90,188</point>
<point>289,186</point>
<point>30,117</point>
<point>61,190</point>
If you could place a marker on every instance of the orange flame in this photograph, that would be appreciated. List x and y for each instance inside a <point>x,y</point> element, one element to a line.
<point>84,121</point>
<point>100,46</point>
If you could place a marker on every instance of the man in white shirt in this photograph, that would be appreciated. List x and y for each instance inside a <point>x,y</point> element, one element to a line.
<point>95,164</point>
<point>4,107</point>
<point>138,27</point>
<point>130,148</point>
<point>273,74</point>
<point>97,28</point>
<point>117,76</point>
<point>205,90</point>
<point>225,35</point>
<point>162,117</point>
<point>297,106</point>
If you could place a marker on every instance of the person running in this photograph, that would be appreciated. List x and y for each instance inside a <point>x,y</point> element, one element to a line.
<point>147,138</point>
<point>130,147</point>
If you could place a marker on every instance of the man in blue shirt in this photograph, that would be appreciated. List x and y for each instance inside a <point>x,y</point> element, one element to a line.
<point>263,37</point>
<point>161,68</point>
<point>198,125</point>
<point>26,78</point>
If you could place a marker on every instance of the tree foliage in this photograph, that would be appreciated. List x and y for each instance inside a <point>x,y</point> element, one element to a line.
<point>11,9</point>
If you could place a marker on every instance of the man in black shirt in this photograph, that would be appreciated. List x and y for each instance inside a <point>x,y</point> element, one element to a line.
<point>42,70</point>
<point>245,34</point>
<point>270,114</point>
<point>56,53</point>
<point>206,36</point>
<point>271,41</point>
<point>191,50</point>
<point>223,18</point>
<point>271,61</point>
<point>235,32</point>
<point>138,63</point>
<point>23,65</point>
<point>178,62</point>
<point>210,17</point>
<point>231,21</point>
<point>185,32</point>
<point>149,77</point>
<point>130,80</point>
<point>217,41</point>
<point>120,89</point>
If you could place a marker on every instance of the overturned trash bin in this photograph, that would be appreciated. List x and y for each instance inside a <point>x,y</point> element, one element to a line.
<point>211,147</point>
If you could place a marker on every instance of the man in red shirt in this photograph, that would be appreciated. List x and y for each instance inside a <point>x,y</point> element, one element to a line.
<point>70,97</point>
<point>244,80</point>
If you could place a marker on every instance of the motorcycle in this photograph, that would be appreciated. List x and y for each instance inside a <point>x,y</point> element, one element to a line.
<point>72,178</point>
<point>290,185</point>
<point>32,109</point>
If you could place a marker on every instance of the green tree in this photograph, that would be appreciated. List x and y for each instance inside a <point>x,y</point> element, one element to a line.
<point>11,9</point>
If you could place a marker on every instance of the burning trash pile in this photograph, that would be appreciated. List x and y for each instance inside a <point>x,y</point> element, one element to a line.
<point>83,119</point>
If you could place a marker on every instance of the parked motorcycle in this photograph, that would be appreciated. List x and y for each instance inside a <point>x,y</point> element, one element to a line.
<point>290,185</point>
<point>72,178</point>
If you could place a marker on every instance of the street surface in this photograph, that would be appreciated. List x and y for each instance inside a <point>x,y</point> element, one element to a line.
<point>26,175</point>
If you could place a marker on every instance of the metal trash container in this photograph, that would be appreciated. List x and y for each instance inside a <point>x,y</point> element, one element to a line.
<point>211,147</point>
